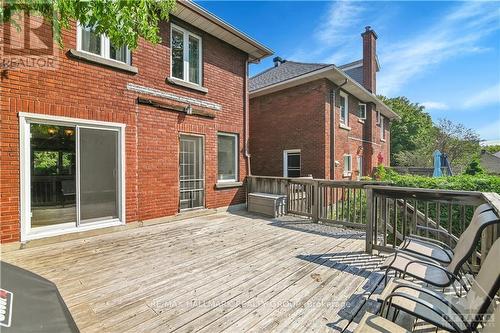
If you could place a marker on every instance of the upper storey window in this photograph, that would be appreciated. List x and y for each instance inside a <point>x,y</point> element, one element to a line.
<point>185,55</point>
<point>344,109</point>
<point>91,42</point>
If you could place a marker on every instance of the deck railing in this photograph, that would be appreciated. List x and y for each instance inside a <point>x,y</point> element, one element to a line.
<point>328,201</point>
<point>396,212</point>
<point>387,213</point>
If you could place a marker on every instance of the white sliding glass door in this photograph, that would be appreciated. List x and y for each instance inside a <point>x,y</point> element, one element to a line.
<point>71,175</point>
<point>98,175</point>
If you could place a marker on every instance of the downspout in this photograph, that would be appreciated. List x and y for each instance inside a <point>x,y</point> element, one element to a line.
<point>332,131</point>
<point>247,119</point>
<point>247,115</point>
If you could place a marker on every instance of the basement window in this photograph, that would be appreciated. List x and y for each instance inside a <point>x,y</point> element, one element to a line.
<point>98,44</point>
<point>185,55</point>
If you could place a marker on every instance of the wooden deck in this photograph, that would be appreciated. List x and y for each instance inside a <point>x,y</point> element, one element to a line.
<point>221,272</point>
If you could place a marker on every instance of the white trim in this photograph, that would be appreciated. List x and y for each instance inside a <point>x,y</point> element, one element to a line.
<point>25,181</point>
<point>347,173</point>
<point>285,160</point>
<point>62,231</point>
<point>346,118</point>
<point>236,157</point>
<point>362,104</point>
<point>345,127</point>
<point>204,170</point>
<point>69,120</point>
<point>105,47</point>
<point>192,13</point>
<point>25,119</point>
<point>359,159</point>
<point>185,54</point>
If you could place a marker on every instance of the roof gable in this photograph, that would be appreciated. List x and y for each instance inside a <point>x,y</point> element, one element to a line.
<point>197,16</point>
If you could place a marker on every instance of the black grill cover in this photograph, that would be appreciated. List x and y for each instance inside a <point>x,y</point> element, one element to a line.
<point>30,303</point>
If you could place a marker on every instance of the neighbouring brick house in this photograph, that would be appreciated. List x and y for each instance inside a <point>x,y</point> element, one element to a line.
<point>102,136</point>
<point>297,130</point>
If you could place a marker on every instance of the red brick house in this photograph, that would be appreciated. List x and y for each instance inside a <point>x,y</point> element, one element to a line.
<point>319,119</point>
<point>99,136</point>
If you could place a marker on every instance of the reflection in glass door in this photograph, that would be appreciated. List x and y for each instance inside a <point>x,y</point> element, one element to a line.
<point>53,175</point>
<point>74,176</point>
<point>191,172</point>
<point>98,175</point>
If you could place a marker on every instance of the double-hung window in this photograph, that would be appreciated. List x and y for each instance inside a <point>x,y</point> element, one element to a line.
<point>362,111</point>
<point>100,45</point>
<point>185,55</point>
<point>344,109</point>
<point>347,165</point>
<point>227,157</point>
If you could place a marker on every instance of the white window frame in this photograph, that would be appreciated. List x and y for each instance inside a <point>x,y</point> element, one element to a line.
<point>285,160</point>
<point>382,129</point>
<point>185,53</point>
<point>378,117</point>
<point>346,116</point>
<point>360,166</point>
<point>105,47</point>
<point>364,106</point>
<point>28,233</point>
<point>347,172</point>
<point>236,157</point>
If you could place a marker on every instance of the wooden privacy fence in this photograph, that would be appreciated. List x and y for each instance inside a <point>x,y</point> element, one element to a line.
<point>395,212</point>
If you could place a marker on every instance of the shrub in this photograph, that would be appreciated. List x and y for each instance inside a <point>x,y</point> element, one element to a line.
<point>478,182</point>
<point>474,168</point>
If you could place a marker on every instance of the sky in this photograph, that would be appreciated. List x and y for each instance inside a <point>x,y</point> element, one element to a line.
<point>444,55</point>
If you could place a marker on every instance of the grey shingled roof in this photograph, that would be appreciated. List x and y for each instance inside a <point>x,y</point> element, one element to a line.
<point>356,73</point>
<point>292,69</point>
<point>284,71</point>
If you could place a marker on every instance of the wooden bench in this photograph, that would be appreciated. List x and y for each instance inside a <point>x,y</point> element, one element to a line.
<point>267,204</point>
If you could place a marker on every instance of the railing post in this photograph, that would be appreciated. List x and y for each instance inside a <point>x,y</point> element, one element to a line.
<point>315,201</point>
<point>369,220</point>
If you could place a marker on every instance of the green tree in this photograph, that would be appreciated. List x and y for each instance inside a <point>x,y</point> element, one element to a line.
<point>474,168</point>
<point>410,134</point>
<point>123,21</point>
<point>460,143</point>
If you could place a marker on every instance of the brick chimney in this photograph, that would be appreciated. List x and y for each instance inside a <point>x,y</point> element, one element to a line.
<point>370,59</point>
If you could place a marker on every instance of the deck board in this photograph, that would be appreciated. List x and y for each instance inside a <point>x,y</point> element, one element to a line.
<point>222,272</point>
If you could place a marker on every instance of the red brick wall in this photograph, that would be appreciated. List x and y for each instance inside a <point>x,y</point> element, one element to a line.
<point>84,90</point>
<point>301,118</point>
<point>293,118</point>
<point>362,139</point>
